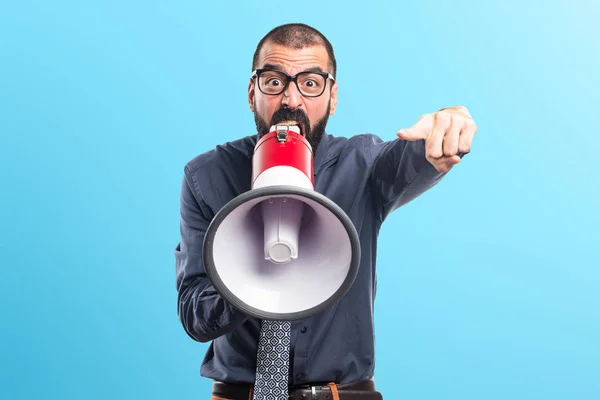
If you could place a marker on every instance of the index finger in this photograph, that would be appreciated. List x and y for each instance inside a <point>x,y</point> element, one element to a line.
<point>420,130</point>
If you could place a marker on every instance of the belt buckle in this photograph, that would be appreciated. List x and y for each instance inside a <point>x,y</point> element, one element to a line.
<point>313,390</point>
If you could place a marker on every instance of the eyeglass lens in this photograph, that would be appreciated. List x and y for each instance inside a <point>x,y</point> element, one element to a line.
<point>309,84</point>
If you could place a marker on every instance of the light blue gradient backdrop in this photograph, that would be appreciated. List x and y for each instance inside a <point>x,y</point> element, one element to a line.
<point>489,284</point>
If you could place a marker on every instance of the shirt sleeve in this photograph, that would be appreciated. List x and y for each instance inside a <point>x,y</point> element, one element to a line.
<point>400,173</point>
<point>205,315</point>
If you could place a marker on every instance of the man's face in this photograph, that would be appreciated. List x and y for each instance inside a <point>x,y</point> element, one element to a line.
<point>310,112</point>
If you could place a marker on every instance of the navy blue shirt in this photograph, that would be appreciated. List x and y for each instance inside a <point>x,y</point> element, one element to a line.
<point>368,178</point>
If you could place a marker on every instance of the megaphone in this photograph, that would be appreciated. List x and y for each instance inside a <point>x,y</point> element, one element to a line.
<point>281,250</point>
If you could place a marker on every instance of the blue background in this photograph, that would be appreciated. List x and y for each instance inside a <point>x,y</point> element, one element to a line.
<point>489,284</point>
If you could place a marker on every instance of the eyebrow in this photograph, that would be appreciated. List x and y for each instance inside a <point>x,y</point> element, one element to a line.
<point>280,67</point>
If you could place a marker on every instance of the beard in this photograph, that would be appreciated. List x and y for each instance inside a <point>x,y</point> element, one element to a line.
<point>312,135</point>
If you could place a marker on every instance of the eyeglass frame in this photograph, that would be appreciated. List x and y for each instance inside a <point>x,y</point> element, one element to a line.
<point>256,74</point>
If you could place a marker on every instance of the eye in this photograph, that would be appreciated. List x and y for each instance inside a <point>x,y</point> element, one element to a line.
<point>311,83</point>
<point>273,82</point>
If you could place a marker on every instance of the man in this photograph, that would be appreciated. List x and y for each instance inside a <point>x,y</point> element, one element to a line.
<point>293,82</point>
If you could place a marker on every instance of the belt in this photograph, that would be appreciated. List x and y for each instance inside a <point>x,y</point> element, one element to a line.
<point>362,390</point>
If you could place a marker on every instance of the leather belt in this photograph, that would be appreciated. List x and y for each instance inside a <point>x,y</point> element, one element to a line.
<point>362,390</point>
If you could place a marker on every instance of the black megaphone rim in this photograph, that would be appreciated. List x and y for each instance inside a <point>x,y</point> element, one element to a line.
<point>279,190</point>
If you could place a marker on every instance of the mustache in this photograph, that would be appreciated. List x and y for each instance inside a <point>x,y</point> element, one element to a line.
<point>298,115</point>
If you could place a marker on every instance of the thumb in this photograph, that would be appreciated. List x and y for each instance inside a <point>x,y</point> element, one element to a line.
<point>420,130</point>
<point>410,134</point>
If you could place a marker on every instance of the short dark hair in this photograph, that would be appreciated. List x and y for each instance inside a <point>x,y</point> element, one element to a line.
<point>298,36</point>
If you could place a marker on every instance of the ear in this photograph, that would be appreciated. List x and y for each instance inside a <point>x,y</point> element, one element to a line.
<point>334,98</point>
<point>251,95</point>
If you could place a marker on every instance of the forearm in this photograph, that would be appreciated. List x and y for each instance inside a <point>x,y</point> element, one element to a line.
<point>401,173</point>
<point>204,314</point>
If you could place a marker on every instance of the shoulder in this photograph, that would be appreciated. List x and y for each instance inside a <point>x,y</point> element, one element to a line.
<point>221,173</point>
<point>227,154</point>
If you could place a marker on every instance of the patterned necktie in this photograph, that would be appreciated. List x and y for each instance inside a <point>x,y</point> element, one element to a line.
<point>273,361</point>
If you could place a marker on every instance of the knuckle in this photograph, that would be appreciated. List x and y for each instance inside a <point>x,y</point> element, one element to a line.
<point>425,119</point>
<point>436,153</point>
<point>463,110</point>
<point>464,146</point>
<point>444,117</point>
<point>471,125</point>
<point>448,151</point>
<point>432,150</point>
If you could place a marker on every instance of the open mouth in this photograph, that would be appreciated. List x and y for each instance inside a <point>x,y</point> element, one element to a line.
<point>293,123</point>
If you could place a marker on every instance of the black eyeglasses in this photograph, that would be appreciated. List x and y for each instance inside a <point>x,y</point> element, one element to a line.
<point>273,82</point>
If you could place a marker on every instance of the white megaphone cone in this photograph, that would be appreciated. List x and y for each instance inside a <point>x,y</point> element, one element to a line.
<point>282,250</point>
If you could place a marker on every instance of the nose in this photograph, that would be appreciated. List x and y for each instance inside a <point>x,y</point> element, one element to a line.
<point>291,97</point>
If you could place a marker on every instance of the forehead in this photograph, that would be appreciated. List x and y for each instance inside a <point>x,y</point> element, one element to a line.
<point>293,60</point>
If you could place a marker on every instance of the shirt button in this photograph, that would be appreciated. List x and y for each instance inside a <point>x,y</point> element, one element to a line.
<point>299,375</point>
<point>303,330</point>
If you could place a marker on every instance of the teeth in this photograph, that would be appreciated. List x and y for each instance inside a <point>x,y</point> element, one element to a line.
<point>294,125</point>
